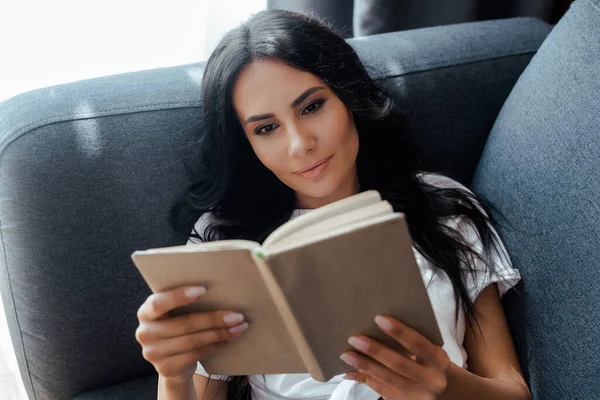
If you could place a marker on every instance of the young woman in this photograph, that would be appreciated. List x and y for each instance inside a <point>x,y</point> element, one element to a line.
<point>291,122</point>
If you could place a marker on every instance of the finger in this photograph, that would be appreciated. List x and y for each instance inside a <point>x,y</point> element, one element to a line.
<point>192,342</point>
<point>188,323</point>
<point>400,390</point>
<point>377,370</point>
<point>398,363</point>
<point>158,304</point>
<point>172,366</point>
<point>426,352</point>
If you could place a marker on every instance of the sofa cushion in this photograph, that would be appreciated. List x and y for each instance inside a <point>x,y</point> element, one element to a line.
<point>451,81</point>
<point>145,388</point>
<point>540,168</point>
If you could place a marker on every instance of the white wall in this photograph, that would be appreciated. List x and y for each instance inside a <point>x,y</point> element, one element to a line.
<point>43,43</point>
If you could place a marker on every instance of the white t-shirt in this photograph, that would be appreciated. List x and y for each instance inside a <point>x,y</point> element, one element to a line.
<point>441,294</point>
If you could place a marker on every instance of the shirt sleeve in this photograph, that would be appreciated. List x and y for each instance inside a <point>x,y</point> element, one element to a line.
<point>199,227</point>
<point>201,371</point>
<point>503,273</point>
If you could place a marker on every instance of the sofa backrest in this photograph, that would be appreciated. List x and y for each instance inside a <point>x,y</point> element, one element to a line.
<point>541,168</point>
<point>88,171</point>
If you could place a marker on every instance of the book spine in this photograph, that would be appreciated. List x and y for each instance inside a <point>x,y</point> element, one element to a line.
<point>306,353</point>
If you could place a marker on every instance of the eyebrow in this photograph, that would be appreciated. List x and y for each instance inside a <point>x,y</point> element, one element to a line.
<point>295,103</point>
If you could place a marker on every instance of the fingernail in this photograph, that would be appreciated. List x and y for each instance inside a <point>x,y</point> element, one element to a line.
<point>349,359</point>
<point>233,318</point>
<point>193,292</point>
<point>384,323</point>
<point>239,328</point>
<point>358,343</point>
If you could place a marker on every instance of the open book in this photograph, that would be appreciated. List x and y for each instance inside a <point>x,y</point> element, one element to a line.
<point>315,281</point>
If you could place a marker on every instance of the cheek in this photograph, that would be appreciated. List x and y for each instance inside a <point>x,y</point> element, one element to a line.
<point>339,131</point>
<point>270,153</point>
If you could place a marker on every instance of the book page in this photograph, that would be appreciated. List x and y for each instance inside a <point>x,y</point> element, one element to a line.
<point>218,245</point>
<point>347,219</point>
<point>348,204</point>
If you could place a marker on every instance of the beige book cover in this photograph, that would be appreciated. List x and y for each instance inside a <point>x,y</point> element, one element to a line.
<point>303,297</point>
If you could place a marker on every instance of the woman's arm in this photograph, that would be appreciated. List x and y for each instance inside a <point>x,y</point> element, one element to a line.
<point>494,371</point>
<point>424,370</point>
<point>175,389</point>
<point>210,389</point>
<point>197,388</point>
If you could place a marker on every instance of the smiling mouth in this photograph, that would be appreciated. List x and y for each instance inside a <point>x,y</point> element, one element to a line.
<point>315,170</point>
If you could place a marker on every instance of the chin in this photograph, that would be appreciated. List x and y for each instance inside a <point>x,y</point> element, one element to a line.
<point>320,189</point>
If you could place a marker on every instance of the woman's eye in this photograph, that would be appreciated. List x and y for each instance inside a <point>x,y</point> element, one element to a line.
<point>312,107</point>
<point>265,129</point>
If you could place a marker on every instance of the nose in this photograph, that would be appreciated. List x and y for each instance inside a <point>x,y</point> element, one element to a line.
<point>301,141</point>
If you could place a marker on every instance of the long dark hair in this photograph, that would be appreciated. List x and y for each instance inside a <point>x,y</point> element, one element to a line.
<point>247,201</point>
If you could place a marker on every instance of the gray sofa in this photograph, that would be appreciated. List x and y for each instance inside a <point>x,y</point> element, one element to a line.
<point>88,172</point>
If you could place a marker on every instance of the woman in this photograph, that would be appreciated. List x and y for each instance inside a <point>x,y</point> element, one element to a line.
<point>292,121</point>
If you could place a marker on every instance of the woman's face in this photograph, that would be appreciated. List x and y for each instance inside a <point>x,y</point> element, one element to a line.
<point>299,129</point>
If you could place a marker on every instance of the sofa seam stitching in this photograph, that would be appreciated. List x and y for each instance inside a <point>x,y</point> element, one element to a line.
<point>461,62</point>
<point>82,116</point>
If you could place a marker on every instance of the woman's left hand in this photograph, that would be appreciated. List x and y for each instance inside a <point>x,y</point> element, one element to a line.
<point>421,374</point>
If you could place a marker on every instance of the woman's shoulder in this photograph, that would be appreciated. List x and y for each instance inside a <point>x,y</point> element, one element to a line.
<point>444,182</point>
<point>204,220</point>
<point>200,225</point>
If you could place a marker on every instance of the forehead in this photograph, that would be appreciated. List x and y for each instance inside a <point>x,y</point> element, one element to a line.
<point>264,85</point>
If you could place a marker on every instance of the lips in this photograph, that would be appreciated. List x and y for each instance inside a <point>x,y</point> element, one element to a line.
<point>313,165</point>
<point>315,169</point>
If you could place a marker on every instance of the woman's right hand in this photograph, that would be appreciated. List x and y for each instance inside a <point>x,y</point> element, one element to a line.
<point>173,345</point>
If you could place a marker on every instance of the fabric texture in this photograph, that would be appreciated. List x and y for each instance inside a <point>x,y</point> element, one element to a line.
<point>441,294</point>
<point>540,168</point>
<point>138,389</point>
